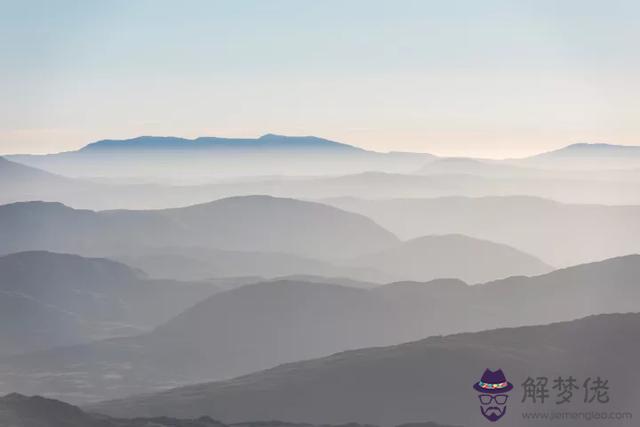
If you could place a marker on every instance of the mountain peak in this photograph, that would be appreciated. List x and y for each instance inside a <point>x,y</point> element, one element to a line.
<point>272,136</point>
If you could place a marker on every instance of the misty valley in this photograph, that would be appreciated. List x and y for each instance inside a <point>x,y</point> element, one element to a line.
<point>316,297</point>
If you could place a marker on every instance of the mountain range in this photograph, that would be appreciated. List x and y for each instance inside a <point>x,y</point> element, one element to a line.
<point>255,236</point>
<point>256,223</point>
<point>192,159</point>
<point>304,291</point>
<point>181,158</point>
<point>430,378</point>
<point>264,324</point>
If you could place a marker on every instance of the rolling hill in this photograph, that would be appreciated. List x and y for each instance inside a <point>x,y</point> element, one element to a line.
<point>452,256</point>
<point>51,300</point>
<point>256,236</point>
<point>262,325</point>
<point>429,378</point>
<point>252,223</point>
<point>560,234</point>
<point>20,182</point>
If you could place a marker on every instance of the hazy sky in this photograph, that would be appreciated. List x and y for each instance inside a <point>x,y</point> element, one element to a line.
<point>486,78</point>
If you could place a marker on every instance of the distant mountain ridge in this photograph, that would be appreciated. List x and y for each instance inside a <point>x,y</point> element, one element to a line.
<point>587,156</point>
<point>584,149</point>
<point>169,158</point>
<point>175,158</point>
<point>265,142</point>
<point>276,141</point>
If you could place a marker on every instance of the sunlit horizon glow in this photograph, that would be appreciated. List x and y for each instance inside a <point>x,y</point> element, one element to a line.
<point>445,153</point>
<point>495,79</point>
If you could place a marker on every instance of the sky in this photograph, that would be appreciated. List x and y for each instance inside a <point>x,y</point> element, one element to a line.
<point>484,78</point>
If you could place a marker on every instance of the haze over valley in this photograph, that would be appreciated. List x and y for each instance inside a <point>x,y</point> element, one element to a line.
<point>107,303</point>
<point>319,214</point>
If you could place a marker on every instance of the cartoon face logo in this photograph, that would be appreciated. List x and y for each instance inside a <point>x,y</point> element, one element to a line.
<point>493,388</point>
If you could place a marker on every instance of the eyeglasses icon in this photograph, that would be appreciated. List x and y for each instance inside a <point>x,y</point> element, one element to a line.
<point>500,399</point>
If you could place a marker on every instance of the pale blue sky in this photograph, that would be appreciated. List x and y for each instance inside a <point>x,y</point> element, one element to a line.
<point>487,78</point>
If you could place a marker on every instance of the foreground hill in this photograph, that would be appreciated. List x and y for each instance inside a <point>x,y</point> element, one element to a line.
<point>252,223</point>
<point>50,299</point>
<point>252,327</point>
<point>429,378</point>
<point>559,234</point>
<point>453,256</point>
<point>262,325</point>
<point>17,410</point>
